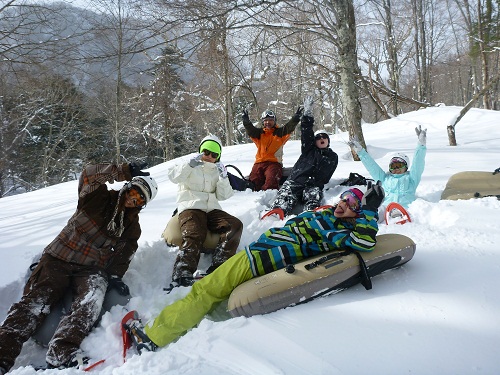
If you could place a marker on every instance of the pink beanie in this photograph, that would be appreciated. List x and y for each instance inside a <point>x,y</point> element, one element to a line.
<point>358,193</point>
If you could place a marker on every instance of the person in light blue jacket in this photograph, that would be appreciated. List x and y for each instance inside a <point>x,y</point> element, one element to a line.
<point>400,182</point>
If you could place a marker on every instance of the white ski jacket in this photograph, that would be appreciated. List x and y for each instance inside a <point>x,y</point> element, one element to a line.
<point>200,188</point>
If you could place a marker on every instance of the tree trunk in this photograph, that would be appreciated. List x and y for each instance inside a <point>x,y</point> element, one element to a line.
<point>349,69</point>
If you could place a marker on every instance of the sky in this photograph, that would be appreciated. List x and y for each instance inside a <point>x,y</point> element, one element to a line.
<point>438,314</point>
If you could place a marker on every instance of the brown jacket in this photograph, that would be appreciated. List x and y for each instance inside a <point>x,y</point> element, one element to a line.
<point>85,239</point>
<point>270,142</point>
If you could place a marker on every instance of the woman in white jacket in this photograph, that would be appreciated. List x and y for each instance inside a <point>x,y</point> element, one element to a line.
<point>202,184</point>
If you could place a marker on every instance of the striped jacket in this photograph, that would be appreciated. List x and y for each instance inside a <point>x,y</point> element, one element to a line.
<point>85,239</point>
<point>310,234</point>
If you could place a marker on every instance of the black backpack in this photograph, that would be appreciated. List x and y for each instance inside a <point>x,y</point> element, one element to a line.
<point>355,179</point>
<point>239,183</point>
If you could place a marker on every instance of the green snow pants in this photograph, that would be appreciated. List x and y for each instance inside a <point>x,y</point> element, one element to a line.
<point>177,318</point>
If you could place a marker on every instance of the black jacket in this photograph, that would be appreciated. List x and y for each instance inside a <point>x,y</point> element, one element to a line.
<point>315,166</point>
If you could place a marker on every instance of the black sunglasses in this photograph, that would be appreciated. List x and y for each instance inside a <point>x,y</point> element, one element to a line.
<point>210,153</point>
<point>321,136</point>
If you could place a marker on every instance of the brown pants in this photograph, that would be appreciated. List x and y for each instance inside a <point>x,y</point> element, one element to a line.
<point>194,226</point>
<point>266,175</point>
<point>48,284</point>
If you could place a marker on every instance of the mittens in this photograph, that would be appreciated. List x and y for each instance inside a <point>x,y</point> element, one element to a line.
<point>196,161</point>
<point>222,169</point>
<point>422,135</point>
<point>374,196</point>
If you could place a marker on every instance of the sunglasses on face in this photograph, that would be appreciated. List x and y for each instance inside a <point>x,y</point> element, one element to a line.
<point>395,166</point>
<point>210,153</point>
<point>351,200</point>
<point>321,136</point>
<point>138,198</point>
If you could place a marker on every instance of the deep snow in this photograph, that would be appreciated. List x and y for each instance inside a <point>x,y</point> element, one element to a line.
<point>438,314</point>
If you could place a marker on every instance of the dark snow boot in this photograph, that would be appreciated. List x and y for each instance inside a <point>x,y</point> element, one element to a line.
<point>181,281</point>
<point>77,360</point>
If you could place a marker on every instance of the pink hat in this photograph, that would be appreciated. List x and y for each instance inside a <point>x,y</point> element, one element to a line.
<point>358,193</point>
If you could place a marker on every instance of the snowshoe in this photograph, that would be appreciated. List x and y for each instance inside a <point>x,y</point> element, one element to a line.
<point>135,330</point>
<point>275,211</point>
<point>396,214</point>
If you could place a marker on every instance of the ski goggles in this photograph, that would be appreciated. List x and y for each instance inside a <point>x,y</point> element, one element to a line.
<point>396,165</point>
<point>138,198</point>
<point>351,200</point>
<point>321,136</point>
<point>215,155</point>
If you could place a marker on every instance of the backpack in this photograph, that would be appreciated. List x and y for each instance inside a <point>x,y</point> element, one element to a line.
<point>239,183</point>
<point>355,179</point>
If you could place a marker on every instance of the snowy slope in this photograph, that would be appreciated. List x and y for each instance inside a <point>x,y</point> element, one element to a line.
<point>439,314</point>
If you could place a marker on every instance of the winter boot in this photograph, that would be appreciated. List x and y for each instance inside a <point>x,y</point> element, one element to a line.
<point>77,360</point>
<point>140,340</point>
<point>181,281</point>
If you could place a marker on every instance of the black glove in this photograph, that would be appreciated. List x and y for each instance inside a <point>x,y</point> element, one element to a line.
<point>298,114</point>
<point>135,169</point>
<point>374,196</point>
<point>244,116</point>
<point>116,282</point>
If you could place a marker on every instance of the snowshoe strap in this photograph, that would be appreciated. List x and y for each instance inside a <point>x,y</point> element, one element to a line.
<point>366,281</point>
<point>365,277</point>
<point>237,170</point>
<point>326,258</point>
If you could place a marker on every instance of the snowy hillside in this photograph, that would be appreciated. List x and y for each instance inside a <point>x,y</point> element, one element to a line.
<point>439,314</point>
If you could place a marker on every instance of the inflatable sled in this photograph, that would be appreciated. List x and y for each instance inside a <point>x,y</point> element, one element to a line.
<point>319,276</point>
<point>467,185</point>
<point>172,236</point>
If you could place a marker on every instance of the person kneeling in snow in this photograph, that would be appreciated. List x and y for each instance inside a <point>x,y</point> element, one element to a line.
<point>400,183</point>
<point>92,253</point>
<point>311,171</point>
<point>352,223</point>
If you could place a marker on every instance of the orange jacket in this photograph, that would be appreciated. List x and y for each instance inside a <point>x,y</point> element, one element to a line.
<point>270,142</point>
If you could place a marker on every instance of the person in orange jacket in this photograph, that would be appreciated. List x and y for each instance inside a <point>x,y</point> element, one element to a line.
<point>268,168</point>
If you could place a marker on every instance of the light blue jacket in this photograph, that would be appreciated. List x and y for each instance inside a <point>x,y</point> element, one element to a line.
<point>399,188</point>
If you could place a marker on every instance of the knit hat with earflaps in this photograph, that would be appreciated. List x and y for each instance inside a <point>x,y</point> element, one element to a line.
<point>211,143</point>
<point>147,185</point>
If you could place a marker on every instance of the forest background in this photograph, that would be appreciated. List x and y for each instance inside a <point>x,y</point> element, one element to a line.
<point>145,80</point>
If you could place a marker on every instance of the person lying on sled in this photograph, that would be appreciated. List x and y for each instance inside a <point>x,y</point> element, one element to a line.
<point>399,183</point>
<point>351,223</point>
<point>311,171</point>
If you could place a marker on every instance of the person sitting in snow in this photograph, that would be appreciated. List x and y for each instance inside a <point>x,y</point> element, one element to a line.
<point>351,223</point>
<point>310,173</point>
<point>202,183</point>
<point>400,183</point>
<point>268,169</point>
<point>91,253</point>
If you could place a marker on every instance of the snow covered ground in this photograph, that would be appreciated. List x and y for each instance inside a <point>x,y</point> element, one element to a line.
<point>438,314</point>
